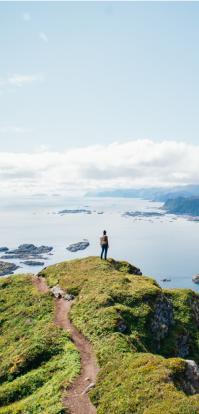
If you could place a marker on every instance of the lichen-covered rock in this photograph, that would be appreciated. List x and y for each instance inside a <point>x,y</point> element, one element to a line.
<point>57,292</point>
<point>190,380</point>
<point>162,318</point>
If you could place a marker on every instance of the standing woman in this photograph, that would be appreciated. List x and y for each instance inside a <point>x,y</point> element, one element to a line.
<point>104,245</point>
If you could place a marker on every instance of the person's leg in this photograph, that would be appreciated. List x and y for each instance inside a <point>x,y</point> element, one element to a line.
<point>105,252</point>
<point>102,252</point>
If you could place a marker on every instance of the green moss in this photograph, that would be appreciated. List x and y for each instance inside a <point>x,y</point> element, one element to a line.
<point>37,358</point>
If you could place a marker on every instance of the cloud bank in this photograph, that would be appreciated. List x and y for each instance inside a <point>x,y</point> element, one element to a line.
<point>140,163</point>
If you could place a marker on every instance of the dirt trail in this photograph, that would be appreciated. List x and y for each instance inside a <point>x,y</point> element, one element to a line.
<point>76,400</point>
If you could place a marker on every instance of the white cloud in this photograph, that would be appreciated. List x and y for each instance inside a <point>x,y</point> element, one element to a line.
<point>20,80</point>
<point>26,16</point>
<point>43,36</point>
<point>133,164</point>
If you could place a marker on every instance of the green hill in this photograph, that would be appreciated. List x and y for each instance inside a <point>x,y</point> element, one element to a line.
<point>142,336</point>
<point>36,358</point>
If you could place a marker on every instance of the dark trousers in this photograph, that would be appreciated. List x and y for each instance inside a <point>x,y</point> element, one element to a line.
<point>104,251</point>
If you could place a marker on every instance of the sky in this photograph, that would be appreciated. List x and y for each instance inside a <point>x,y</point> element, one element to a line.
<point>103,80</point>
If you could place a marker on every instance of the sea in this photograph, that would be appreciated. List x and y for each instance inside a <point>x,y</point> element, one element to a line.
<point>163,247</point>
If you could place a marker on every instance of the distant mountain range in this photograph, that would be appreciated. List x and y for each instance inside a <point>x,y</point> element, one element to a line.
<point>182,205</point>
<point>154,194</point>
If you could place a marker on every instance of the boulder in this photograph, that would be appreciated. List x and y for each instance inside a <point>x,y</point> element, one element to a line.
<point>57,292</point>
<point>195,278</point>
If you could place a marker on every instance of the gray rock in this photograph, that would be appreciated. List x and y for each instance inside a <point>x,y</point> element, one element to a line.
<point>90,386</point>
<point>33,263</point>
<point>7,268</point>
<point>183,345</point>
<point>27,252</point>
<point>57,292</point>
<point>78,246</point>
<point>191,378</point>
<point>162,319</point>
<point>75,211</point>
<point>4,249</point>
<point>195,278</point>
<point>69,297</point>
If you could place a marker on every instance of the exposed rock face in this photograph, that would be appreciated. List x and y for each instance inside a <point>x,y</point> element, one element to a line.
<point>191,378</point>
<point>183,345</point>
<point>78,246</point>
<point>4,249</point>
<point>33,263</point>
<point>27,251</point>
<point>162,318</point>
<point>7,268</point>
<point>143,214</point>
<point>194,303</point>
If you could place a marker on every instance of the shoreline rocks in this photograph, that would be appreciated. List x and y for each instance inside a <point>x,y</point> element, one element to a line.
<point>33,263</point>
<point>7,268</point>
<point>28,252</point>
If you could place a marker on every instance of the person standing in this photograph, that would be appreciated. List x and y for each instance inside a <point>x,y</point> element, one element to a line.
<point>104,245</point>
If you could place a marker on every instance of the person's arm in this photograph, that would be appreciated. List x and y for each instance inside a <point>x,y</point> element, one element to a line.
<point>107,242</point>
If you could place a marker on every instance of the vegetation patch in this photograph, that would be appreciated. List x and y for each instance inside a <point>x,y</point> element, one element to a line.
<point>37,359</point>
<point>129,320</point>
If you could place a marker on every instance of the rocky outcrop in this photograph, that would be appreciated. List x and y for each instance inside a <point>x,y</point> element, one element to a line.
<point>33,263</point>
<point>3,249</point>
<point>75,211</point>
<point>27,251</point>
<point>162,319</point>
<point>59,293</point>
<point>78,246</point>
<point>190,380</point>
<point>195,278</point>
<point>7,268</point>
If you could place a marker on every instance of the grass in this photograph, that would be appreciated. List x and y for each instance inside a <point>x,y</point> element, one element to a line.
<point>37,359</point>
<point>115,310</point>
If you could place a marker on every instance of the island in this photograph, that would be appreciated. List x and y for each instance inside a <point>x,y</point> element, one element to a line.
<point>75,247</point>
<point>147,214</point>
<point>27,251</point>
<point>75,211</point>
<point>33,263</point>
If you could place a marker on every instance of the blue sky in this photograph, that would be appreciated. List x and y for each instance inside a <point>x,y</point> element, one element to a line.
<point>98,95</point>
<point>98,72</point>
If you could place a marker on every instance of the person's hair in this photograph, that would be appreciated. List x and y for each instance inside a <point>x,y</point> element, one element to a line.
<point>104,232</point>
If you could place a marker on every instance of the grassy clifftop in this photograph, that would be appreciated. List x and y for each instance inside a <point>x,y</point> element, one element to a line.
<point>36,358</point>
<point>140,332</point>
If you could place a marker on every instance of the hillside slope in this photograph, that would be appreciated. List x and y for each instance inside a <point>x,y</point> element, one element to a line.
<point>140,333</point>
<point>37,359</point>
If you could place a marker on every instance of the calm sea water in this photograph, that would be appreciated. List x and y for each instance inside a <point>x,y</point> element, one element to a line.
<point>165,247</point>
